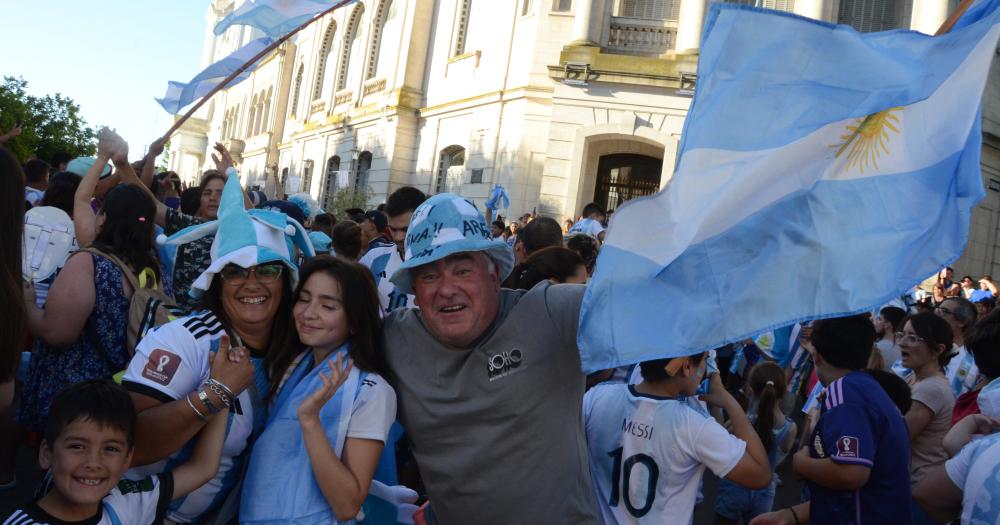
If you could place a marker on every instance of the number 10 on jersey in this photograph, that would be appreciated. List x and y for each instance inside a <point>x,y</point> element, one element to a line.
<point>621,476</point>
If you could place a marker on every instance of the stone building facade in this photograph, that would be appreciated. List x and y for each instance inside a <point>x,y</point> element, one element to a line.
<point>563,102</point>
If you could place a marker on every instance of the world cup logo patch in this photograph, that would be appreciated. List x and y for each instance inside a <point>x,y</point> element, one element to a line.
<point>847,447</point>
<point>161,366</point>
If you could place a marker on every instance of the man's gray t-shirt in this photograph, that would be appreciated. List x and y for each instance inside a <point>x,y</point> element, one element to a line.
<point>497,429</point>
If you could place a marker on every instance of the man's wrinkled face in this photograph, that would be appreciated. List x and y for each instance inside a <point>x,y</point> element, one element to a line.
<point>458,296</point>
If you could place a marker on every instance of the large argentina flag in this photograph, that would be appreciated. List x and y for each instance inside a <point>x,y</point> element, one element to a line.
<point>274,18</point>
<point>179,94</point>
<point>821,172</point>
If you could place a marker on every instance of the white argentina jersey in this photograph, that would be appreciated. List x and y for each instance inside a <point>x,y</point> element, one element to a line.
<point>171,362</point>
<point>383,261</point>
<point>648,454</point>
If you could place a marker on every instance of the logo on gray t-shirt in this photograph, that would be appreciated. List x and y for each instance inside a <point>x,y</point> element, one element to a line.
<point>504,364</point>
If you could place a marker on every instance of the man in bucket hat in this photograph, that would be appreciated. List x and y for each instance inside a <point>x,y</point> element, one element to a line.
<point>489,380</point>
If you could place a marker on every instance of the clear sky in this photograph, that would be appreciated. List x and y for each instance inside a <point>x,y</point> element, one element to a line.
<point>110,56</point>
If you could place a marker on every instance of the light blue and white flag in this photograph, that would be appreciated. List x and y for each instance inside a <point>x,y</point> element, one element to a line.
<point>180,95</point>
<point>822,172</point>
<point>275,18</point>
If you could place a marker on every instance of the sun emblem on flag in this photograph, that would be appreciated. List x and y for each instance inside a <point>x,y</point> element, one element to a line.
<point>868,138</point>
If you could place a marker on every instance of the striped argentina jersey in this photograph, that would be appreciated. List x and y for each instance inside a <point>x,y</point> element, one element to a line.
<point>648,453</point>
<point>171,362</point>
<point>383,261</point>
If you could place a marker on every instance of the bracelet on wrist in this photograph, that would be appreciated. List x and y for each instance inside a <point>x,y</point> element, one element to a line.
<point>226,399</point>
<point>223,386</point>
<point>195,409</point>
<point>205,400</point>
<point>795,516</point>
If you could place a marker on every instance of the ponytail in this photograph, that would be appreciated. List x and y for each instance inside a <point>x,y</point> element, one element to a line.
<point>764,424</point>
<point>767,382</point>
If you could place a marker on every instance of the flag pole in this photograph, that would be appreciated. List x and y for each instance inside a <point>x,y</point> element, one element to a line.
<point>950,22</point>
<point>180,122</point>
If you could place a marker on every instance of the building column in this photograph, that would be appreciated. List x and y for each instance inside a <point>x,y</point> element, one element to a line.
<point>810,8</point>
<point>689,26</point>
<point>587,22</point>
<point>928,15</point>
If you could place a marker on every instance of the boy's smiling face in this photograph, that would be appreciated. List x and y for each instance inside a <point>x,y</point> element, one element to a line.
<point>87,460</point>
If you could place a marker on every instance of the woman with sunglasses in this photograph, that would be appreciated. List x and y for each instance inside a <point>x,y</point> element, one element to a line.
<point>925,344</point>
<point>330,412</point>
<point>218,359</point>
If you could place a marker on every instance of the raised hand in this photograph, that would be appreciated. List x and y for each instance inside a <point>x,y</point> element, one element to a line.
<point>309,408</point>
<point>223,161</point>
<point>106,143</point>
<point>232,367</point>
<point>156,148</point>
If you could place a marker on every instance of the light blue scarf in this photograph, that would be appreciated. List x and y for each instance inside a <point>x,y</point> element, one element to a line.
<point>280,486</point>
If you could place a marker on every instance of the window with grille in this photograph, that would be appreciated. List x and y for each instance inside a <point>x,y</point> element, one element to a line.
<point>875,15</point>
<point>462,26</point>
<point>298,89</point>
<point>266,126</point>
<point>650,9</point>
<point>307,176</point>
<point>361,172</point>
<point>330,182</point>
<point>385,19</point>
<point>779,5</point>
<point>351,42</point>
<point>451,164</point>
<point>325,54</point>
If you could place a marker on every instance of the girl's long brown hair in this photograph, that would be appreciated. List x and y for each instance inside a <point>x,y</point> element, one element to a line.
<point>14,320</point>
<point>361,304</point>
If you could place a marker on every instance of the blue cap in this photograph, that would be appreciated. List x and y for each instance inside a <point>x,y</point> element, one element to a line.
<point>321,241</point>
<point>444,225</point>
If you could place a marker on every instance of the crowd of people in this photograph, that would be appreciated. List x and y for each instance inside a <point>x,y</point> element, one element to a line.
<point>216,355</point>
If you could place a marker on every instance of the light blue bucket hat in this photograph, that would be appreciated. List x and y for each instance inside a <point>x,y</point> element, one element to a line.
<point>444,225</point>
<point>81,165</point>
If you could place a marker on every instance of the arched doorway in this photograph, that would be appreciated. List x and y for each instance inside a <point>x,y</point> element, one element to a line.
<point>624,176</point>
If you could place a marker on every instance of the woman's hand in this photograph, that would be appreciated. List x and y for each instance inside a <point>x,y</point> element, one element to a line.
<point>308,411</point>
<point>230,367</point>
<point>223,161</point>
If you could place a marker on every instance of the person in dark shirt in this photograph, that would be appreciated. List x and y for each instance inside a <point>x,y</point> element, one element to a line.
<point>857,460</point>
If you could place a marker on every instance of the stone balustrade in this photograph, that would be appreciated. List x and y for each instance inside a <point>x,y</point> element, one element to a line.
<point>637,36</point>
<point>373,85</point>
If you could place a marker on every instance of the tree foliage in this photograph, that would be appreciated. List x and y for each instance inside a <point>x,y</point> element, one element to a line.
<point>347,198</point>
<point>49,124</point>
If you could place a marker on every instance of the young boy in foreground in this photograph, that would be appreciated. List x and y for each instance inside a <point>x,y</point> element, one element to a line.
<point>88,447</point>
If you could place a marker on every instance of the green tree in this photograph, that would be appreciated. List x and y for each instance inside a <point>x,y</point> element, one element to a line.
<point>347,198</point>
<point>49,124</point>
